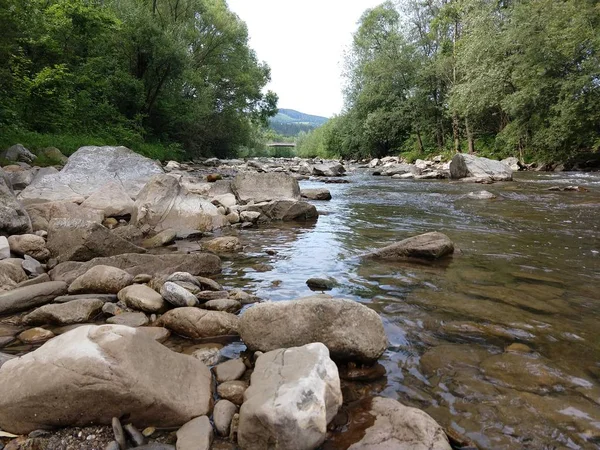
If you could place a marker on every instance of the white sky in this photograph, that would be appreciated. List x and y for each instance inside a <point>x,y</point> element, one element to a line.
<point>303,42</point>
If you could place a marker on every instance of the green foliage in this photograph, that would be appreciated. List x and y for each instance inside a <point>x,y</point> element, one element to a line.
<point>288,122</point>
<point>161,76</point>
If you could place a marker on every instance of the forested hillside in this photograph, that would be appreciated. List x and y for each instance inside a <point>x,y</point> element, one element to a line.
<point>517,77</point>
<point>151,74</point>
<point>289,122</point>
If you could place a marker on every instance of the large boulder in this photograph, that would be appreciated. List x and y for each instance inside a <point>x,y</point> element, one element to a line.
<point>20,179</point>
<point>469,166</point>
<point>199,323</point>
<point>328,169</point>
<point>400,427</point>
<point>136,264</point>
<point>350,331</point>
<point>316,194</point>
<point>18,153</point>
<point>294,394</point>
<point>80,240</point>
<point>264,187</point>
<point>89,169</point>
<point>24,298</point>
<point>94,373</point>
<point>42,214</point>
<point>286,210</point>
<point>111,199</point>
<point>13,217</point>
<point>165,204</point>
<point>513,163</point>
<point>428,246</point>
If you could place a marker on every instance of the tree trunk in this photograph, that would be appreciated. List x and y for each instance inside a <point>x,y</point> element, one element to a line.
<point>421,149</point>
<point>456,132</point>
<point>470,141</point>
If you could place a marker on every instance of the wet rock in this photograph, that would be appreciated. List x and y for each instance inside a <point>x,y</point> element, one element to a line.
<point>401,427</point>
<point>481,195</point>
<point>264,187</point>
<point>428,246</point>
<point>111,199</point>
<point>449,358</point>
<point>469,166</point>
<point>352,372</point>
<point>129,319</point>
<point>294,393</point>
<point>163,238</point>
<point>513,163</point>
<point>230,370</point>
<point>320,284</point>
<point>198,323</point>
<point>142,298</point>
<point>233,391</point>
<point>91,168</point>
<point>177,295</point>
<point>42,214</point>
<point>243,297</point>
<point>34,336</point>
<point>13,217</point>
<point>197,434</point>
<point>29,244</point>
<point>28,297</point>
<point>165,204</point>
<point>518,348</point>
<point>51,388</point>
<point>328,169</point>
<point>288,210</point>
<point>78,240</point>
<point>18,153</point>
<point>135,264</point>
<point>101,280</point>
<point>76,311</point>
<point>223,304</point>
<point>316,194</point>
<point>209,354</point>
<point>223,415</point>
<point>225,244</point>
<point>350,331</point>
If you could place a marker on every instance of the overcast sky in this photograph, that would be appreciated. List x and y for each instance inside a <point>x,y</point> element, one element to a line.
<point>303,42</point>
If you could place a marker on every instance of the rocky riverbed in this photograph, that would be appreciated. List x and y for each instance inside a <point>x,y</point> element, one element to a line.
<point>156,307</point>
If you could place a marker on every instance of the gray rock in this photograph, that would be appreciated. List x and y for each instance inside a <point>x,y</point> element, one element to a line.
<point>243,297</point>
<point>135,435</point>
<point>316,194</point>
<point>28,297</point>
<point>329,169</point>
<point>428,246</point>
<point>294,394</point>
<point>198,323</point>
<point>264,187</point>
<point>142,298</point>
<point>78,240</point>
<point>42,214</point>
<point>101,280</point>
<point>399,169</point>
<point>249,217</point>
<point>177,295</point>
<point>111,199</point>
<point>287,210</point>
<point>18,153</point>
<point>104,298</point>
<point>350,330</point>
<point>32,266</point>
<point>89,169</point>
<point>225,244</point>
<point>223,415</point>
<point>29,244</point>
<point>78,378</point>
<point>159,334</point>
<point>223,304</point>
<point>513,163</point>
<point>401,427</point>
<point>320,284</point>
<point>11,274</point>
<point>208,284</point>
<point>19,180</point>
<point>119,433</point>
<point>135,264</point>
<point>13,217</point>
<point>129,319</point>
<point>5,357</point>
<point>4,248</point>
<point>43,278</point>
<point>161,239</point>
<point>481,195</point>
<point>469,166</point>
<point>76,311</point>
<point>229,370</point>
<point>197,434</point>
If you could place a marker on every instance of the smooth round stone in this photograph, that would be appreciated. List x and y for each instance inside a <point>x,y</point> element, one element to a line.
<point>129,319</point>
<point>177,296</point>
<point>142,278</point>
<point>159,334</point>
<point>35,335</point>
<point>223,304</point>
<point>142,298</point>
<point>230,370</point>
<point>223,415</point>
<point>320,284</point>
<point>233,391</point>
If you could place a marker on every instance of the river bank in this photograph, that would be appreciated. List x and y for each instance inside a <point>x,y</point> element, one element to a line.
<point>485,343</point>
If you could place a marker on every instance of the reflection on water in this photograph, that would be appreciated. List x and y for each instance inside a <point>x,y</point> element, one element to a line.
<point>528,272</point>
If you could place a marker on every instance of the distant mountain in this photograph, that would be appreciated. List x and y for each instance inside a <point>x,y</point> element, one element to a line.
<point>289,122</point>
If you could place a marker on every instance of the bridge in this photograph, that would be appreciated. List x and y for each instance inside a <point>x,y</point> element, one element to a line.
<point>282,145</point>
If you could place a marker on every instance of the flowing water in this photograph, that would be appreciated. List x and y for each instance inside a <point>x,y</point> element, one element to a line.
<point>527,272</point>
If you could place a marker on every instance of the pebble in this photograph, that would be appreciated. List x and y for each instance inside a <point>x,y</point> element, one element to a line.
<point>230,370</point>
<point>35,335</point>
<point>233,391</point>
<point>135,435</point>
<point>119,434</point>
<point>223,415</point>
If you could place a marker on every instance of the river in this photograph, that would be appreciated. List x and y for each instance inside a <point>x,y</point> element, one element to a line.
<point>527,272</point>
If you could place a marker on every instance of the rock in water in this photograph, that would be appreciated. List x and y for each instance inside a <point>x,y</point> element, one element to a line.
<point>350,331</point>
<point>224,244</point>
<point>429,246</point>
<point>13,217</point>
<point>264,187</point>
<point>78,240</point>
<point>400,427</point>
<point>468,166</point>
<point>287,210</point>
<point>329,169</point>
<point>93,373</point>
<point>198,323</point>
<point>294,393</point>
<point>89,169</point>
<point>481,195</point>
<point>316,194</point>
<point>165,204</point>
